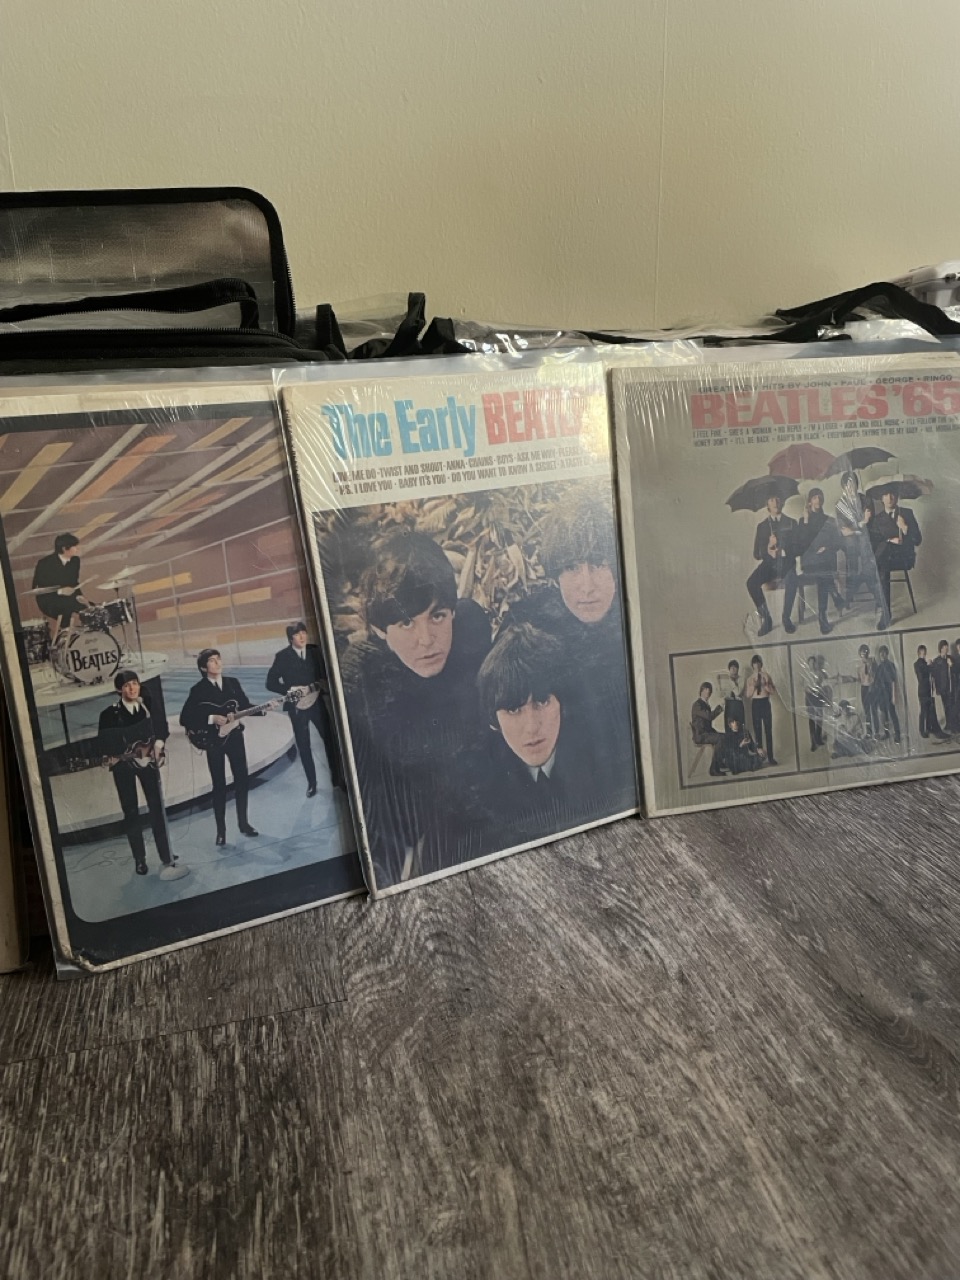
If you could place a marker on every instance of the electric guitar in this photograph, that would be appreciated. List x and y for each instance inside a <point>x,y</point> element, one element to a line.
<point>303,696</point>
<point>207,737</point>
<point>137,753</point>
<point>140,754</point>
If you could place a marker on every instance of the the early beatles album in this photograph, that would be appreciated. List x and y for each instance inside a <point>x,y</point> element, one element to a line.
<point>794,600</point>
<point>464,539</point>
<point>162,668</point>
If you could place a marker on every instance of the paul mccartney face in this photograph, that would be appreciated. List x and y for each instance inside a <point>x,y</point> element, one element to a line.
<point>588,591</point>
<point>422,643</point>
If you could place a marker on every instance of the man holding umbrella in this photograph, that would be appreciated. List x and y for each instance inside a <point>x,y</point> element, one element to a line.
<point>773,548</point>
<point>894,535</point>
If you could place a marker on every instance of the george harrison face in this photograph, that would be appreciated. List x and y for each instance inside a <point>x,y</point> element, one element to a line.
<point>531,731</point>
<point>130,691</point>
<point>422,643</point>
<point>214,665</point>
<point>588,590</point>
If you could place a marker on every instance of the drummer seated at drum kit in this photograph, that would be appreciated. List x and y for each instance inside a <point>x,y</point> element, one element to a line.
<point>61,573</point>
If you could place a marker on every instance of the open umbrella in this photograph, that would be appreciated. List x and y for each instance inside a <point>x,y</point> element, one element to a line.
<point>905,487</point>
<point>857,459</point>
<point>802,462</point>
<point>753,495</point>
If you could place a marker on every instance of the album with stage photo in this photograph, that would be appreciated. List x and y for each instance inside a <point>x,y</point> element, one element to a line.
<point>162,667</point>
<point>789,534</point>
<point>464,542</point>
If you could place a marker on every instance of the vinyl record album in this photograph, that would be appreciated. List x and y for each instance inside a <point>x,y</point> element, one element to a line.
<point>161,666</point>
<point>794,605</point>
<point>463,538</point>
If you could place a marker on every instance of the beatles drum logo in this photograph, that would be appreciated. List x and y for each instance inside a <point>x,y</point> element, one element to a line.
<point>88,657</point>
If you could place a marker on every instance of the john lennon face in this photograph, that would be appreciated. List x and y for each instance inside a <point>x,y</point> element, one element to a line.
<point>422,643</point>
<point>531,731</point>
<point>588,591</point>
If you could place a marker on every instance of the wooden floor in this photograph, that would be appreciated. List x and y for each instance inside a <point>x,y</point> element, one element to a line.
<point>722,1045</point>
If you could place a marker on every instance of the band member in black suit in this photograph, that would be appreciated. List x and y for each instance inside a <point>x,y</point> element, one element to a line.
<point>534,771</point>
<point>953,712</point>
<point>895,536</point>
<point>411,695</point>
<point>773,547</point>
<point>940,671</point>
<point>759,689</point>
<point>815,552</point>
<point>740,753</point>
<point>299,666</point>
<point>131,734</point>
<point>207,707</point>
<point>582,611</point>
<point>854,521</point>
<point>885,688</point>
<point>731,686</point>
<point>929,724</point>
<point>702,716</point>
<point>61,573</point>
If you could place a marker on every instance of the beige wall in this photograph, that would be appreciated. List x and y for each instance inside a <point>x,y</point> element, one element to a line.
<point>597,162</point>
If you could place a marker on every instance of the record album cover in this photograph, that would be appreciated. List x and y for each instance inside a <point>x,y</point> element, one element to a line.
<point>794,601</point>
<point>463,537</point>
<point>162,670</point>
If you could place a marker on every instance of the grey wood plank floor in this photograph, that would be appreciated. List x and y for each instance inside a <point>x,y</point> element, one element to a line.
<point>726,1044</point>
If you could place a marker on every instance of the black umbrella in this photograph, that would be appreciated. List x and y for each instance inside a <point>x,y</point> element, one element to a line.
<point>857,459</point>
<point>753,495</point>
<point>905,487</point>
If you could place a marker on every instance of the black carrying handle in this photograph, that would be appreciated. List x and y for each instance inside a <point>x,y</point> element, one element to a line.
<point>183,299</point>
<point>410,339</point>
<point>889,300</point>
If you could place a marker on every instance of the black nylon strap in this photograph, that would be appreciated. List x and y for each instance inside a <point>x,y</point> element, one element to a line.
<point>181,300</point>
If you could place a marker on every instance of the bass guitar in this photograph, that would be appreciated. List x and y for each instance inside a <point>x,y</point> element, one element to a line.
<point>141,754</point>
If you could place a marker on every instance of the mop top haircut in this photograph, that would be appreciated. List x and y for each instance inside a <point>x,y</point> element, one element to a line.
<point>579,531</point>
<point>409,575</point>
<point>524,663</point>
<point>64,541</point>
<point>203,657</point>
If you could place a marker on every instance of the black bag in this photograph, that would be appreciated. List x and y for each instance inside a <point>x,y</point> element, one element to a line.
<point>168,278</point>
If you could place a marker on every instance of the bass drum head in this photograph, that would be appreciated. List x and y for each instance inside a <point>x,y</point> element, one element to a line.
<point>86,657</point>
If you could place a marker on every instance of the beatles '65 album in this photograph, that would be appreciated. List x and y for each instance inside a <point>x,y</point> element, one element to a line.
<point>463,535</point>
<point>794,597</point>
<point>162,670</point>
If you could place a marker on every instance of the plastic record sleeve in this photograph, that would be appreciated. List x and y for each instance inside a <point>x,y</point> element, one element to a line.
<point>788,532</point>
<point>462,534</point>
<point>161,664</point>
